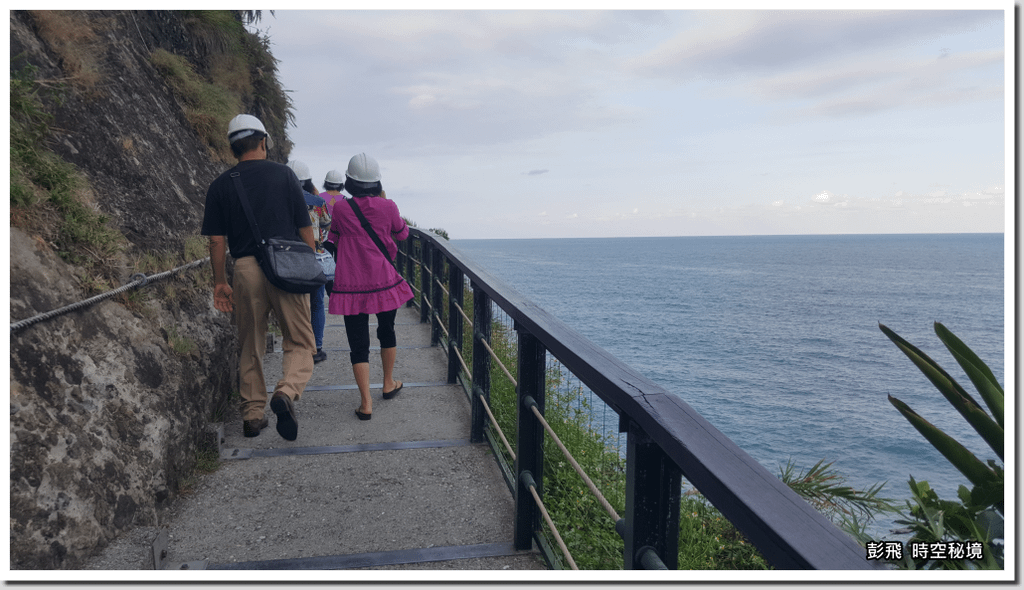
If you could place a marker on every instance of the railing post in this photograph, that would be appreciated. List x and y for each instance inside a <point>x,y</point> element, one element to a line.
<point>425,259</point>
<point>436,295</point>
<point>455,300</point>
<point>481,362</point>
<point>653,483</point>
<point>405,246</point>
<point>529,437</point>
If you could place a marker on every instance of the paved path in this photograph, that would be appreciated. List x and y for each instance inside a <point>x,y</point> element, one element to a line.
<point>405,490</point>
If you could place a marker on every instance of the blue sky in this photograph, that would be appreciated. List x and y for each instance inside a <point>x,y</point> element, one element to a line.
<point>576,123</point>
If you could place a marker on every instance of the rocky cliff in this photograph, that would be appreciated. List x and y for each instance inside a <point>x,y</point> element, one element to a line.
<point>110,404</point>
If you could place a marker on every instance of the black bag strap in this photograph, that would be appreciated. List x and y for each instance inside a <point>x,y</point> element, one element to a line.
<point>373,235</point>
<point>244,198</point>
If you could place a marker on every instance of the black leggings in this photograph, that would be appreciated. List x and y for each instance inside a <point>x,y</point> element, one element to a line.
<point>357,328</point>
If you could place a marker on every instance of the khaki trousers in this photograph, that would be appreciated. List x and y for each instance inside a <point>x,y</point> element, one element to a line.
<point>254,298</point>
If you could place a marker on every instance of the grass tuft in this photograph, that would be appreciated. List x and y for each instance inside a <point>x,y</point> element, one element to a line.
<point>207,106</point>
<point>50,196</point>
<point>75,42</point>
<point>206,462</point>
<point>180,345</point>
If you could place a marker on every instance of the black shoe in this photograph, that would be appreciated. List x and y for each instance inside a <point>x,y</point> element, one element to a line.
<point>251,428</point>
<point>319,356</point>
<point>287,425</point>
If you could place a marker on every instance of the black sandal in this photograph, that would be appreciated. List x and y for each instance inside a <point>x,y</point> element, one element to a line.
<point>393,392</point>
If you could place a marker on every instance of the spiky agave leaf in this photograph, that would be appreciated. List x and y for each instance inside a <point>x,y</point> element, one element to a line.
<point>961,458</point>
<point>976,370</point>
<point>975,415</point>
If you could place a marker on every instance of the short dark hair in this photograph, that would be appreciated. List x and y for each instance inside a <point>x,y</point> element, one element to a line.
<point>246,144</point>
<point>307,185</point>
<point>332,186</point>
<point>362,189</point>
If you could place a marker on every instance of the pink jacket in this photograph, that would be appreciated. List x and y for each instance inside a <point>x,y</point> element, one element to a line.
<point>364,281</point>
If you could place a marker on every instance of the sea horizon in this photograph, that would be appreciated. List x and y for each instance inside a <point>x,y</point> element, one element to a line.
<point>1003,233</point>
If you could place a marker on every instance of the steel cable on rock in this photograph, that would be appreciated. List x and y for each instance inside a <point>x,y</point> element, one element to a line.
<point>138,280</point>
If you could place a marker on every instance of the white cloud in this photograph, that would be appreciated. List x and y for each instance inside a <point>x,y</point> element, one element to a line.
<point>738,42</point>
<point>669,113</point>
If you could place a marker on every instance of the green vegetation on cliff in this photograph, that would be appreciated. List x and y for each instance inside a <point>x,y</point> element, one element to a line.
<point>49,197</point>
<point>239,75</point>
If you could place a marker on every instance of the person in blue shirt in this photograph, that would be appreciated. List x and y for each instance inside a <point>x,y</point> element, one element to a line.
<point>321,220</point>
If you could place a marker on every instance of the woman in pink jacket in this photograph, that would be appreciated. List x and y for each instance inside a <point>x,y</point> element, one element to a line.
<point>365,280</point>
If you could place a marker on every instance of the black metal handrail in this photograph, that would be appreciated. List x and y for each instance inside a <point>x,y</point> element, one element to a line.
<point>666,438</point>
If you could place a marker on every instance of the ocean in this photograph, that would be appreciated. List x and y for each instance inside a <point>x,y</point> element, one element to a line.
<point>775,339</point>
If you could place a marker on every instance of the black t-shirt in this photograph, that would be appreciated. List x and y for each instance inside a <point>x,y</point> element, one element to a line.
<point>275,197</point>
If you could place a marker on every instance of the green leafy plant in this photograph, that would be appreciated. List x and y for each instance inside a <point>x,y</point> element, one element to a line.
<point>825,489</point>
<point>979,514</point>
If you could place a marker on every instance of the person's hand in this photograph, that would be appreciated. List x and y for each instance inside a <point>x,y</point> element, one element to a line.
<point>223,298</point>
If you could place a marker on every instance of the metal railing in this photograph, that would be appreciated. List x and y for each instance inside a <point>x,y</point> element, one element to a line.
<point>666,439</point>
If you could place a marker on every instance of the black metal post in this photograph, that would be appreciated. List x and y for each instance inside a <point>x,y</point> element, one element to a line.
<point>652,501</point>
<point>455,300</point>
<point>436,295</point>
<point>529,437</point>
<point>481,362</point>
<point>425,260</point>
<point>408,250</point>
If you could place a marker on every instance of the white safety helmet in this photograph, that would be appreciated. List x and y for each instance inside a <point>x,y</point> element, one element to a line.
<point>334,177</point>
<point>301,170</point>
<point>244,126</point>
<point>363,168</point>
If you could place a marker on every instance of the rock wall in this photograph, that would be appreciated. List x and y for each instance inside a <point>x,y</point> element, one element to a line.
<point>108,406</point>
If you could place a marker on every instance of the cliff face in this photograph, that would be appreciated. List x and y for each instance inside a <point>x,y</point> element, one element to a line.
<point>110,404</point>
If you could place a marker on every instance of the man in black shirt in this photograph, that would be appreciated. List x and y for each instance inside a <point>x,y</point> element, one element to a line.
<point>277,203</point>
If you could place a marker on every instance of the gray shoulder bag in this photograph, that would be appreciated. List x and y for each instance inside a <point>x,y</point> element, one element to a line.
<point>289,265</point>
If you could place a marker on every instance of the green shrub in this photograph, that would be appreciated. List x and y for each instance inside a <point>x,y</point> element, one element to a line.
<point>977,516</point>
<point>238,74</point>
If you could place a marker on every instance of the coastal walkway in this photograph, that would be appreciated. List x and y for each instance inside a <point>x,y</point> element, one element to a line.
<point>404,490</point>
<point>410,489</point>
